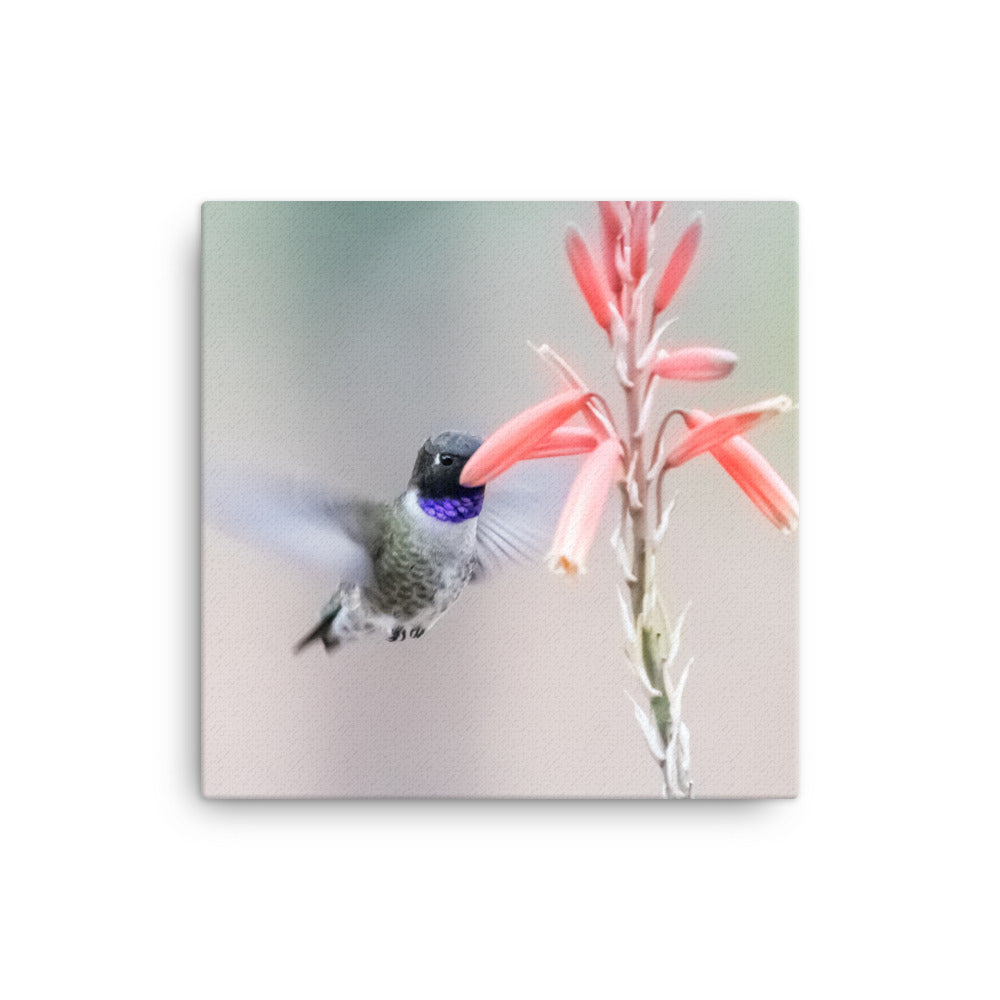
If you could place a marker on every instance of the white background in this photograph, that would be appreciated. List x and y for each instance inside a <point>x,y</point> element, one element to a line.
<point>118,880</point>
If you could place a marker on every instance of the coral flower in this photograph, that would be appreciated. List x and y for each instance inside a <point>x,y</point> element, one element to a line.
<point>584,506</point>
<point>693,364</point>
<point>755,476</point>
<point>718,430</point>
<point>519,437</point>
<point>565,441</point>
<point>611,227</point>
<point>592,281</point>
<point>677,266</point>
<point>641,221</point>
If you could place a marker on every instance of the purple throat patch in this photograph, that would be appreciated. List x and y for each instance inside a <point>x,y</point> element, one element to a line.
<point>453,509</point>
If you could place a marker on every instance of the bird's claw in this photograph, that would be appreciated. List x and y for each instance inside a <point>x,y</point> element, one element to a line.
<point>417,631</point>
<point>397,633</point>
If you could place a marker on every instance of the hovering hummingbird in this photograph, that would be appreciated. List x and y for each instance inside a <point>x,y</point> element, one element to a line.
<point>400,564</point>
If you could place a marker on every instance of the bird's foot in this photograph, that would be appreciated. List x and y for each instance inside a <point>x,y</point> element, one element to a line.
<point>417,631</point>
<point>397,633</point>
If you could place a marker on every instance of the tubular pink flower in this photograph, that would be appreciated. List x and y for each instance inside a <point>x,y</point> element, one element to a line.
<point>657,208</point>
<point>693,364</point>
<point>591,280</point>
<point>677,266</point>
<point>584,506</point>
<point>566,441</point>
<point>755,476</point>
<point>718,430</point>
<point>517,438</point>
<point>611,228</point>
<point>641,221</point>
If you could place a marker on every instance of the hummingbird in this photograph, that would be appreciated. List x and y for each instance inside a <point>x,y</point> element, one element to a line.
<point>400,564</point>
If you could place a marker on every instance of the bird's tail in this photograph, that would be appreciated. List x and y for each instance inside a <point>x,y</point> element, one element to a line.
<point>330,642</point>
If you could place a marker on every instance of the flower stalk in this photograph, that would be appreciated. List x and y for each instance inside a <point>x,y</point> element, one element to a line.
<point>626,293</point>
<point>654,651</point>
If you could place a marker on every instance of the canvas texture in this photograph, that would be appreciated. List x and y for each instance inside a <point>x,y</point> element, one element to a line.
<point>338,337</point>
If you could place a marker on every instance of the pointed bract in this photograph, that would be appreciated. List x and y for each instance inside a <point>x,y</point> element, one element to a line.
<point>517,438</point>
<point>592,281</point>
<point>719,429</point>
<point>584,506</point>
<point>677,266</point>
<point>693,364</point>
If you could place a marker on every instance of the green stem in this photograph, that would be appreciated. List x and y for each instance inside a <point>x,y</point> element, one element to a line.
<point>651,660</point>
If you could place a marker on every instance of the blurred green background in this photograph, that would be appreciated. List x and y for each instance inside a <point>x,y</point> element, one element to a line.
<point>337,336</point>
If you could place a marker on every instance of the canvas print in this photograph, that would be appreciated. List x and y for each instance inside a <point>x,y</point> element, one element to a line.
<point>500,499</point>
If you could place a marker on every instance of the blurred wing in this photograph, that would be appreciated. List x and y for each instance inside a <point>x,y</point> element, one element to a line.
<point>520,513</point>
<point>295,518</point>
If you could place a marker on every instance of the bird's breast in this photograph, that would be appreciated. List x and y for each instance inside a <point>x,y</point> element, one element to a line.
<point>424,563</point>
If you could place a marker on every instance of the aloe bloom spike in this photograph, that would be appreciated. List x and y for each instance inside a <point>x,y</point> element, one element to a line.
<point>625,301</point>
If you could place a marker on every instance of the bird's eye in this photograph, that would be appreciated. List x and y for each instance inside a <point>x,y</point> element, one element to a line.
<point>447,459</point>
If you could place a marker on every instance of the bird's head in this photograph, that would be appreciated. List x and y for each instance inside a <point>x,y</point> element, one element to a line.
<point>439,465</point>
